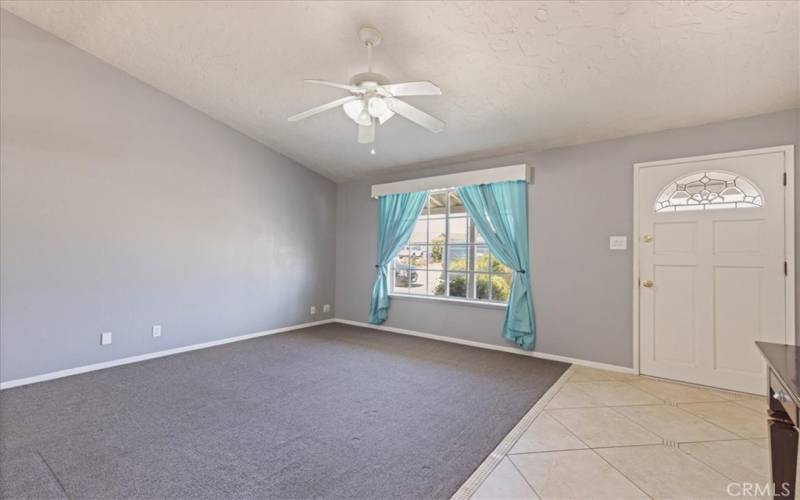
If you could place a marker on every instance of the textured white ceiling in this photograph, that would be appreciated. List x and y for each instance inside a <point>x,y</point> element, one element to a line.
<point>515,75</point>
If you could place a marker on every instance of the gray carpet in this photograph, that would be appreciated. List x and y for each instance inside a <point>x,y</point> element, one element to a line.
<point>333,411</point>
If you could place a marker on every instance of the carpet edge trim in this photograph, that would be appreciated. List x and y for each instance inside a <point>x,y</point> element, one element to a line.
<point>152,355</point>
<point>479,475</point>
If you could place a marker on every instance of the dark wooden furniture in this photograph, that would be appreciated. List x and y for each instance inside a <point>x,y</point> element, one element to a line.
<point>783,380</point>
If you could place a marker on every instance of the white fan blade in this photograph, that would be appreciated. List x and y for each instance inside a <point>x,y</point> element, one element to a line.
<point>385,117</point>
<point>417,116</point>
<point>324,107</point>
<point>366,134</point>
<point>351,88</point>
<point>412,88</point>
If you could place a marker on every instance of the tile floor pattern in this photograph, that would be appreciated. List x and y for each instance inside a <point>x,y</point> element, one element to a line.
<point>611,435</point>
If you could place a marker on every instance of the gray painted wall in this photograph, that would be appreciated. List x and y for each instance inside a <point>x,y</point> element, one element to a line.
<point>580,196</point>
<point>123,208</point>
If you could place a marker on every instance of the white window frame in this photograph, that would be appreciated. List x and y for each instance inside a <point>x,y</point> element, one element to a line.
<point>445,264</point>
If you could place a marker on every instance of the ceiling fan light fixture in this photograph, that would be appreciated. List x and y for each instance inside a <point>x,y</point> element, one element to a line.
<point>377,107</point>
<point>356,111</point>
<point>359,113</point>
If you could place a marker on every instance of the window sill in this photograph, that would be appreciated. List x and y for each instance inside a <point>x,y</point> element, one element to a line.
<point>459,302</point>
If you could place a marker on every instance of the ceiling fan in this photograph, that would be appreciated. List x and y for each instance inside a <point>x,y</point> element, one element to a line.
<point>373,100</point>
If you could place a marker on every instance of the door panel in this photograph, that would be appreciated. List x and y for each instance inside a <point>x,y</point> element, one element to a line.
<point>737,318</point>
<point>674,237</point>
<point>738,237</point>
<point>712,240</point>
<point>674,307</point>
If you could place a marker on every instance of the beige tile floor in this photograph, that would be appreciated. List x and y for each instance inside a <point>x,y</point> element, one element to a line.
<point>612,435</point>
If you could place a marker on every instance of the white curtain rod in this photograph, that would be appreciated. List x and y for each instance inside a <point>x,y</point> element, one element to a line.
<point>519,172</point>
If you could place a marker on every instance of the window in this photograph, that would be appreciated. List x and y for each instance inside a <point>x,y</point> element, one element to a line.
<point>708,190</point>
<point>446,256</point>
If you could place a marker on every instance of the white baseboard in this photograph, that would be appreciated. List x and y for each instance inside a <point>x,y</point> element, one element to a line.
<point>152,355</point>
<point>483,345</point>
<point>158,354</point>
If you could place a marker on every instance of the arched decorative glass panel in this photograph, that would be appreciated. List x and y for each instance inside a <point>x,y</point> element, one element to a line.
<point>711,189</point>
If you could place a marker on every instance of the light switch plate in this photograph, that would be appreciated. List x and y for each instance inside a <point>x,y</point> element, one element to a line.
<point>618,242</point>
<point>105,338</point>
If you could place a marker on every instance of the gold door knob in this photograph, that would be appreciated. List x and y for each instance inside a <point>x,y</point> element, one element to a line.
<point>647,283</point>
<point>647,238</point>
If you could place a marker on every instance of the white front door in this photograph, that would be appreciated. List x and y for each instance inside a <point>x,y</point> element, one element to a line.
<point>712,266</point>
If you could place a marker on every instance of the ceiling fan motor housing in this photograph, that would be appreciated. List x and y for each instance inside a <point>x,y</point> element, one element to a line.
<point>369,80</point>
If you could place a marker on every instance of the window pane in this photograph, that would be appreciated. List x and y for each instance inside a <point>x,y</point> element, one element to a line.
<point>435,260</point>
<point>419,282</point>
<point>402,259</point>
<point>482,286</point>
<point>420,233</point>
<point>482,257</point>
<point>399,286</point>
<point>438,204</point>
<point>418,256</point>
<point>458,230</point>
<point>501,287</point>
<point>499,267</point>
<point>456,205</point>
<point>471,285</point>
<point>437,282</point>
<point>458,285</point>
<point>472,233</point>
<point>436,230</point>
<point>457,257</point>
<point>708,190</point>
<point>478,237</point>
<point>401,277</point>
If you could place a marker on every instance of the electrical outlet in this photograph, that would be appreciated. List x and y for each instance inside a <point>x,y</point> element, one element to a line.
<point>313,310</point>
<point>105,338</point>
<point>326,308</point>
<point>156,330</point>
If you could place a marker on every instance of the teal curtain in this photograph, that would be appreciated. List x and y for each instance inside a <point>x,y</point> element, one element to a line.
<point>500,212</point>
<point>397,215</point>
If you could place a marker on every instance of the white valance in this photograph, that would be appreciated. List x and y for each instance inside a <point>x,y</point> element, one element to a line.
<point>519,172</point>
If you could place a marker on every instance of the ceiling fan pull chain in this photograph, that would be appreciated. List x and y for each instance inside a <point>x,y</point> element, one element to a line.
<point>374,135</point>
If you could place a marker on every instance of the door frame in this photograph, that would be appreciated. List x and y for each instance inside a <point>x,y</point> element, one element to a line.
<point>788,220</point>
